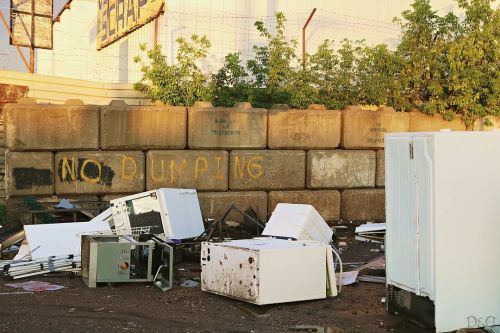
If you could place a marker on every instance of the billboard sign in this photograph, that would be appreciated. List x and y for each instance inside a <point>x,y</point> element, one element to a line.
<point>116,18</point>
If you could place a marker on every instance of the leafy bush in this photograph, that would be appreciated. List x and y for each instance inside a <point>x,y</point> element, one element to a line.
<point>450,66</point>
<point>231,83</point>
<point>180,84</point>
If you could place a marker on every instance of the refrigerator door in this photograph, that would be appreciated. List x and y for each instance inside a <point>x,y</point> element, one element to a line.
<point>401,211</point>
<point>467,230</point>
<point>423,201</point>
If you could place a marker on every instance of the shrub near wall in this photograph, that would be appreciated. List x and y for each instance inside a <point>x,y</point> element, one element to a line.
<point>251,157</point>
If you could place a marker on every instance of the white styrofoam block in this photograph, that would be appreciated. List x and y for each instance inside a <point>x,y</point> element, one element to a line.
<point>301,222</point>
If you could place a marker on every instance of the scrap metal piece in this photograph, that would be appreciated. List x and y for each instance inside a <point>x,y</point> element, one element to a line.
<point>163,278</point>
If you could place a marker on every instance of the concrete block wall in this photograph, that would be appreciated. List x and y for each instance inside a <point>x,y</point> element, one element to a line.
<point>250,157</point>
<point>30,127</point>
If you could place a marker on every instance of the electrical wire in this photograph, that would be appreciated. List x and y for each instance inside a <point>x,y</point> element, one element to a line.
<point>341,273</point>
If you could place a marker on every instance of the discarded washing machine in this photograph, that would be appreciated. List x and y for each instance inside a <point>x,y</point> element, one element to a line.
<point>170,213</point>
<point>267,270</point>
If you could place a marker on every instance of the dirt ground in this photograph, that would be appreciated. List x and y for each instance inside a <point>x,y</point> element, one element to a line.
<point>143,308</point>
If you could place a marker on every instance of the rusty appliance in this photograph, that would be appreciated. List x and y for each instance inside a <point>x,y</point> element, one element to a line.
<point>265,270</point>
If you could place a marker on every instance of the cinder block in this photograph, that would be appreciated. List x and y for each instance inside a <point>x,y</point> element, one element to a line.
<point>363,205</point>
<point>143,127</point>
<point>421,122</point>
<point>242,127</point>
<point>340,168</point>
<point>304,129</point>
<point>267,170</point>
<point>72,126</point>
<point>380,178</point>
<point>29,173</point>
<point>202,170</point>
<point>99,172</point>
<point>326,202</point>
<point>363,129</point>
<point>215,204</point>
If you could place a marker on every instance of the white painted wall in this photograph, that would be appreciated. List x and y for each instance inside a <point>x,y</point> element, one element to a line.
<point>229,25</point>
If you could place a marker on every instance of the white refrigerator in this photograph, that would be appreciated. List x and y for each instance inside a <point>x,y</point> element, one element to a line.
<point>443,227</point>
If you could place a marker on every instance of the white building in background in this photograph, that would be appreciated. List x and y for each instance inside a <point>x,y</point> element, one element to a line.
<point>228,24</point>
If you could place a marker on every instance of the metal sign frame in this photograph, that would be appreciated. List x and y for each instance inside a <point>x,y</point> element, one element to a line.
<point>33,15</point>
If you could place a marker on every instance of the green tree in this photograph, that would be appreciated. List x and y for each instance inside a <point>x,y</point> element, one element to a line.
<point>273,64</point>
<point>474,63</point>
<point>324,64</point>
<point>182,83</point>
<point>231,83</point>
<point>335,73</point>
<point>377,75</point>
<point>347,87</point>
<point>425,36</point>
<point>302,87</point>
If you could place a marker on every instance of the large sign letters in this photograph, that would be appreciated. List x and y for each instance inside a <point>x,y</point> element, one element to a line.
<point>116,18</point>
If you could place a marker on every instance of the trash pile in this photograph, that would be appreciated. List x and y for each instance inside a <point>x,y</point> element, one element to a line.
<point>138,237</point>
<point>131,241</point>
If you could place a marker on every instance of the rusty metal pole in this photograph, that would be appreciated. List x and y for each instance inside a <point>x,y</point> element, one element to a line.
<point>156,32</point>
<point>32,46</point>
<point>162,10</point>
<point>32,59</point>
<point>304,38</point>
